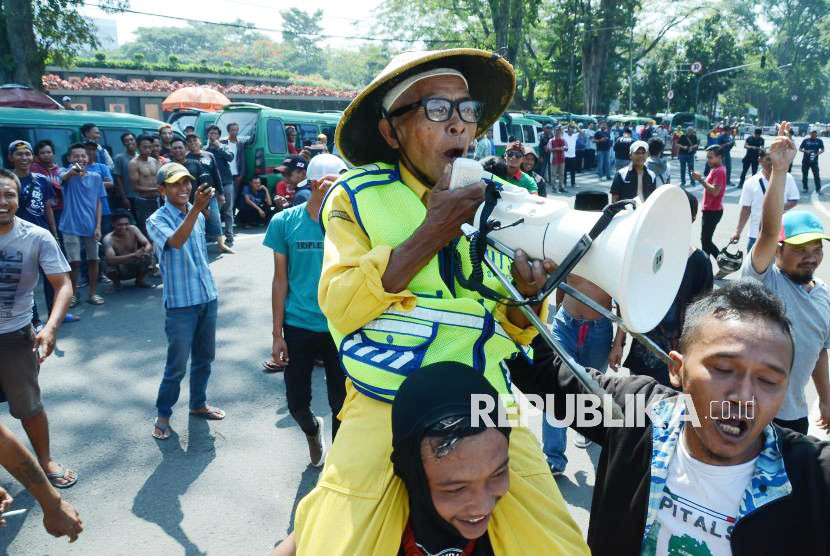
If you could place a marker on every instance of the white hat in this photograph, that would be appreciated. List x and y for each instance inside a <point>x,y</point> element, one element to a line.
<point>323,165</point>
<point>638,145</point>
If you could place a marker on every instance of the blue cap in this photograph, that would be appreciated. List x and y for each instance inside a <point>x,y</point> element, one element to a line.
<point>799,227</point>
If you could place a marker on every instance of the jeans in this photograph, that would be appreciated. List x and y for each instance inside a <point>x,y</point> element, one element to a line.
<point>709,222</point>
<point>213,223</point>
<point>191,332</point>
<point>589,343</point>
<point>747,164</point>
<point>226,212</point>
<point>806,166</point>
<point>686,161</point>
<point>727,163</point>
<point>304,346</point>
<point>143,209</point>
<point>604,164</point>
<point>570,168</point>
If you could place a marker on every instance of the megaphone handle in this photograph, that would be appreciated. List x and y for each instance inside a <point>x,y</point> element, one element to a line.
<point>578,370</point>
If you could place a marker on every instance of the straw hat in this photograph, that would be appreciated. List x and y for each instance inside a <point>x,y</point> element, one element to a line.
<point>490,77</point>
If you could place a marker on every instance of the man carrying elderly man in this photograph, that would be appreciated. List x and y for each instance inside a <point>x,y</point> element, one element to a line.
<point>394,305</point>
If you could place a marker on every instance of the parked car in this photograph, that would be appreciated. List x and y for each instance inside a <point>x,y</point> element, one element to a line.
<point>63,127</point>
<point>262,132</point>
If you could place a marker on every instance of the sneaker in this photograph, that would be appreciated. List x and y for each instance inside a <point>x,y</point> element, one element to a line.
<point>556,472</point>
<point>316,446</point>
<point>581,442</point>
<point>74,301</point>
<point>38,327</point>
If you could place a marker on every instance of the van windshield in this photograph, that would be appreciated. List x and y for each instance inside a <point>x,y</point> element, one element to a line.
<point>246,120</point>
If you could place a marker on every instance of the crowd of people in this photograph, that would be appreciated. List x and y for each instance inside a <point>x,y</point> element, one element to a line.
<point>385,301</point>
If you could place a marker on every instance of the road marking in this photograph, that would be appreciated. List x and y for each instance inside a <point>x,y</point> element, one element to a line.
<point>819,205</point>
<point>239,237</point>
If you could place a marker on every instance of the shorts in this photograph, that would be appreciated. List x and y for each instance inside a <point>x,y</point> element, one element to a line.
<point>72,244</point>
<point>19,370</point>
<point>128,271</point>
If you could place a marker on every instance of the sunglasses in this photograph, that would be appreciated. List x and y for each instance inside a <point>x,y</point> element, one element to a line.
<point>515,154</point>
<point>439,109</point>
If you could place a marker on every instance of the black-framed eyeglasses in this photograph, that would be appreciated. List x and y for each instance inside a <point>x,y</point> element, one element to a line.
<point>439,109</point>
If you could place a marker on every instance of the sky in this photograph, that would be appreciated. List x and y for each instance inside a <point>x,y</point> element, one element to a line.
<point>351,17</point>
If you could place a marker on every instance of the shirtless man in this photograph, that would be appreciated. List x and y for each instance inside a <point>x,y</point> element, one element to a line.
<point>128,253</point>
<point>142,170</point>
<point>583,333</point>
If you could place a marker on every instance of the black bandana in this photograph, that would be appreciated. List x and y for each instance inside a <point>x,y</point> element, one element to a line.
<point>440,395</point>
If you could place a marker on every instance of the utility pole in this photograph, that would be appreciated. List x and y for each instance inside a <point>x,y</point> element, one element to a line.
<point>631,70</point>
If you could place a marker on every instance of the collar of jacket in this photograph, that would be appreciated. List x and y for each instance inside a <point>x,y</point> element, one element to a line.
<point>769,481</point>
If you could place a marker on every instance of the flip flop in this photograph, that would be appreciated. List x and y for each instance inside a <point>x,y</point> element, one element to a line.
<point>71,318</point>
<point>212,414</point>
<point>268,366</point>
<point>164,428</point>
<point>59,479</point>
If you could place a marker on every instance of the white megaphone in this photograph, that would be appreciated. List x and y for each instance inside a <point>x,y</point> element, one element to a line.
<point>639,259</point>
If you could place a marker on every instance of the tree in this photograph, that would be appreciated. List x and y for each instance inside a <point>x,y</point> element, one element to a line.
<point>34,31</point>
<point>300,30</point>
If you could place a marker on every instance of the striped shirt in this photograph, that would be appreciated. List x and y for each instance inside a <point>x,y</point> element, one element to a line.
<point>184,272</point>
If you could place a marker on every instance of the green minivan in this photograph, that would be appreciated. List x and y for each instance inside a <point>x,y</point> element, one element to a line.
<point>262,131</point>
<point>63,127</point>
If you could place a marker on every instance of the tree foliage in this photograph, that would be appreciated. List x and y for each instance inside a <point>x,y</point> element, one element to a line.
<point>34,31</point>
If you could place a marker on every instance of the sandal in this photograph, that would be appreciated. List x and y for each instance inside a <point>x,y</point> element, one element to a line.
<point>164,430</point>
<point>62,478</point>
<point>209,413</point>
<point>74,301</point>
<point>95,299</point>
<point>268,366</point>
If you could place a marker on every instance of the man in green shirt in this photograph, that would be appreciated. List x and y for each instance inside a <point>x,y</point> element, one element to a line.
<point>513,155</point>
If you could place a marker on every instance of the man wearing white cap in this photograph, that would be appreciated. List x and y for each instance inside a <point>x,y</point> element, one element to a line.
<point>391,292</point>
<point>634,180</point>
<point>300,331</point>
<point>321,166</point>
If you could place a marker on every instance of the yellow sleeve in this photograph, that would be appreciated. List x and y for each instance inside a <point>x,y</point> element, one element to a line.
<point>522,336</point>
<point>351,291</point>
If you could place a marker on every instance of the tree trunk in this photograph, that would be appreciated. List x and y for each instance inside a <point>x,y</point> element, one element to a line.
<point>596,47</point>
<point>508,25</point>
<point>21,43</point>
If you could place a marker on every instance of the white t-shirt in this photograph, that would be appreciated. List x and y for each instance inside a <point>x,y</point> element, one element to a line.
<point>699,505</point>
<point>570,143</point>
<point>234,165</point>
<point>752,196</point>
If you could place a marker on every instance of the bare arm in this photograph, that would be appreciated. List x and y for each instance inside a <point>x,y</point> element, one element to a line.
<point>742,220</point>
<point>113,258</point>
<point>822,381</point>
<point>782,152</point>
<point>446,212</point>
<point>140,239</point>
<point>135,177</point>
<point>50,217</point>
<point>45,339</point>
<point>279,290</point>
<point>59,517</point>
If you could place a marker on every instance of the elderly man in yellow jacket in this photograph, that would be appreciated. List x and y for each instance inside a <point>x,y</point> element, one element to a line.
<point>394,304</point>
